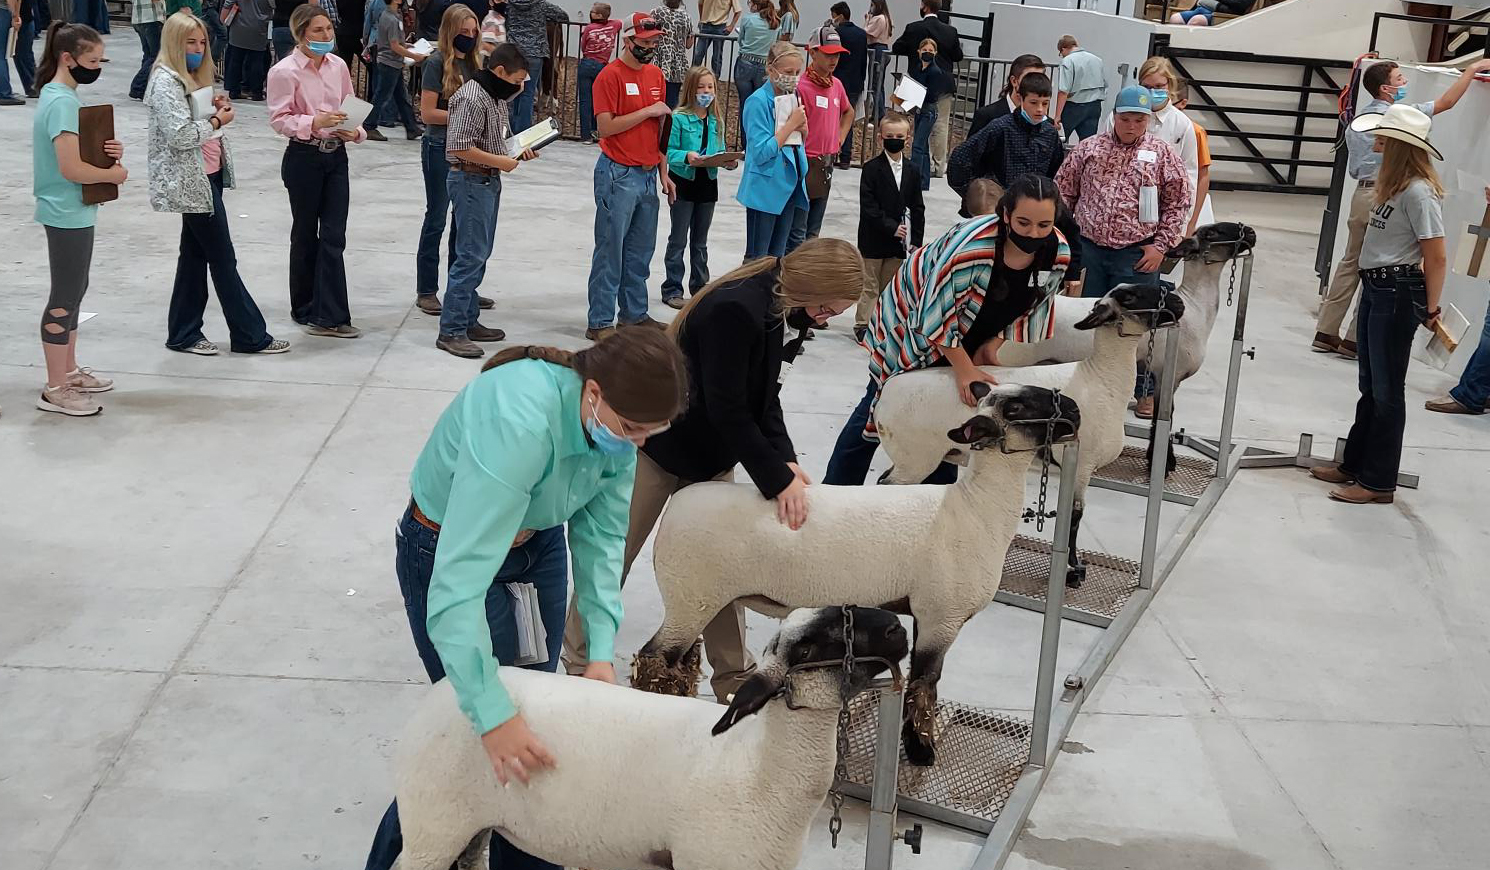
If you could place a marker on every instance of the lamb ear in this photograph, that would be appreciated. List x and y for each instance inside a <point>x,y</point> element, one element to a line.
<point>974,430</point>
<point>748,700</point>
<point>979,389</point>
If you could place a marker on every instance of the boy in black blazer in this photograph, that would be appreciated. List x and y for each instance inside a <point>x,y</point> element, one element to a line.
<point>892,215</point>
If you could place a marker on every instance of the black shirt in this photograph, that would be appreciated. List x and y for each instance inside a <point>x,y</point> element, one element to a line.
<point>701,188</point>
<point>1010,296</point>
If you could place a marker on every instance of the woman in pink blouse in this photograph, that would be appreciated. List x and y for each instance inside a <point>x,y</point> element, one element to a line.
<point>306,91</point>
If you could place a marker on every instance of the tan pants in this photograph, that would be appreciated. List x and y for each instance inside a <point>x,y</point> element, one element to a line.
<point>940,134</point>
<point>724,637</point>
<point>877,275</point>
<point>1347,280</point>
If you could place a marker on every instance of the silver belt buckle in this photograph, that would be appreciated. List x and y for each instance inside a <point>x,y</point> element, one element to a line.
<point>326,146</point>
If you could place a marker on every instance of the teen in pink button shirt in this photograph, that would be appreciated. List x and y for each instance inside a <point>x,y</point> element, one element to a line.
<point>829,117</point>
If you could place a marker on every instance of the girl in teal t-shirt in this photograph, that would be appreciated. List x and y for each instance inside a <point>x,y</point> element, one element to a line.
<point>72,57</point>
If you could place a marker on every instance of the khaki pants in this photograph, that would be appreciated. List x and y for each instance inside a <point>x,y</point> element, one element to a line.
<point>1347,280</point>
<point>877,275</point>
<point>940,133</point>
<point>724,637</point>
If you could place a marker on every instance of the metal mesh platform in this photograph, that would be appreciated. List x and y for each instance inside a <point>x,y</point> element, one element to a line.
<point>980,755</point>
<point>1110,581</point>
<point>1130,473</point>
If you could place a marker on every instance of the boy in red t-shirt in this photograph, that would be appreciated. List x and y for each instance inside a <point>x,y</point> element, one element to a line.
<point>629,106</point>
<point>830,115</point>
<point>597,46</point>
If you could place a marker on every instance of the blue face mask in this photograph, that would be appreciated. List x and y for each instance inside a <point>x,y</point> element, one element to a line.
<point>193,60</point>
<point>703,100</point>
<point>1027,119</point>
<point>606,441</point>
<point>322,48</point>
<point>1160,97</point>
<point>1402,93</point>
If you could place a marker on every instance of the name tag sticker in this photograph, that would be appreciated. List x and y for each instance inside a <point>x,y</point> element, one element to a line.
<point>633,91</point>
<point>1147,156</point>
<point>1042,278</point>
<point>822,101</point>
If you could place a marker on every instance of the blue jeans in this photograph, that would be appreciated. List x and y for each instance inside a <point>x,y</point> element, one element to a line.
<point>1106,268</point>
<point>389,93</point>
<point>217,33</point>
<point>1081,119</point>
<point>1474,385</point>
<point>852,454</point>
<point>879,62</point>
<point>244,71</point>
<point>25,59</point>
<point>705,43</point>
<point>436,209</point>
<point>5,23</point>
<point>94,13</point>
<point>522,106</point>
<point>690,230</point>
<point>541,561</point>
<point>589,68</point>
<point>284,43</point>
<point>149,47</point>
<point>750,76</point>
<point>766,234</point>
<point>807,223</point>
<point>625,237</point>
<point>921,144</point>
<point>475,199</point>
<point>1385,325</point>
<point>206,245</point>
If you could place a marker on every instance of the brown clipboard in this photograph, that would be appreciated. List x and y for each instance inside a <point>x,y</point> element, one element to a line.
<point>95,127</point>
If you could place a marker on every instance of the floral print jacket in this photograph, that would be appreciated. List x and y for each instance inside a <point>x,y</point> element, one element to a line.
<point>178,177</point>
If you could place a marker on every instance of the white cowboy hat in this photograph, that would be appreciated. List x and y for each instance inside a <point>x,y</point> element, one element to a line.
<point>1401,122</point>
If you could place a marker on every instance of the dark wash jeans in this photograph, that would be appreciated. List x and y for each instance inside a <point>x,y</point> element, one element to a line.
<point>436,211</point>
<point>542,561</point>
<point>1106,268</point>
<point>149,47</point>
<point>319,189</point>
<point>852,454</point>
<point>1474,386</point>
<point>1386,323</point>
<point>206,245</point>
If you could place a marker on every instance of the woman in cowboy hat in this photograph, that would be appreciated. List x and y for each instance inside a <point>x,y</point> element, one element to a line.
<point>1402,263</point>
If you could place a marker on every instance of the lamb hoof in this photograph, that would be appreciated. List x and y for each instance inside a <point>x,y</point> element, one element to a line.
<point>652,673</point>
<point>1075,576</point>
<point>919,751</point>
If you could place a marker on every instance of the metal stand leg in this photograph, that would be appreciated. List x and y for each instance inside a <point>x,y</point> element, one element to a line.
<point>1163,414</point>
<point>1234,370</point>
<point>879,850</point>
<point>1055,596</point>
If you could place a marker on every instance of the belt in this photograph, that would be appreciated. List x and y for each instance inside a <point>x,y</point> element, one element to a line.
<point>1389,273</point>
<point>522,537</point>
<point>1365,185</point>
<point>754,58</point>
<point>325,146</point>
<point>475,169</point>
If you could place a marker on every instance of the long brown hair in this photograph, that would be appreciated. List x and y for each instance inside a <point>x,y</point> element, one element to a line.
<point>767,11</point>
<point>880,7</point>
<point>1401,165</point>
<point>818,272</point>
<point>788,6</point>
<point>641,372</point>
<point>73,39</point>
<point>686,102</point>
<point>450,24</point>
<point>1017,67</point>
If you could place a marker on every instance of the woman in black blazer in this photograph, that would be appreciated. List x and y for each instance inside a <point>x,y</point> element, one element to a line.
<point>732,334</point>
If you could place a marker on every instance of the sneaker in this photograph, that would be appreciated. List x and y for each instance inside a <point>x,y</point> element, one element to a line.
<point>68,400</point>
<point>429,303</point>
<point>1144,408</point>
<point>648,321</point>
<point>459,345</point>
<point>674,302</point>
<point>599,333</point>
<point>1324,343</point>
<point>1346,349</point>
<point>346,330</point>
<point>11,101</point>
<point>84,380</point>
<point>485,333</point>
<point>376,135</point>
<point>278,345</point>
<point>203,347</point>
<point>1449,405</point>
<point>485,303</point>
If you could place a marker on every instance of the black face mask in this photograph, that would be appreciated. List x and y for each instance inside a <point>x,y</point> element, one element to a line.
<point>799,319</point>
<point>499,88</point>
<point>1028,244</point>
<point>927,57</point>
<point>463,43</point>
<point>84,75</point>
<point>894,146</point>
<point>594,20</point>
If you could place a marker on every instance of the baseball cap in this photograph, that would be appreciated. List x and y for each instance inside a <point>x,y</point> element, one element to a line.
<point>642,26</point>
<point>826,39</point>
<point>1134,99</point>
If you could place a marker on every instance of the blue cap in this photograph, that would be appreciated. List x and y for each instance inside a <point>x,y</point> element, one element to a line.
<point>1134,99</point>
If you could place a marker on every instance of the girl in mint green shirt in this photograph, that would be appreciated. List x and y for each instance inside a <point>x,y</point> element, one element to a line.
<point>541,440</point>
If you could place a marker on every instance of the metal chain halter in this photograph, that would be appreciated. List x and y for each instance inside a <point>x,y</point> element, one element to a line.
<point>840,769</point>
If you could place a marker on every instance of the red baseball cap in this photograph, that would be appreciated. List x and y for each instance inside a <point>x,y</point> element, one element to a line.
<point>642,26</point>
<point>826,40</point>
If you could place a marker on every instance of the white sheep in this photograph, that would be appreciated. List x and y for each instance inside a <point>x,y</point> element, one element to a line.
<point>915,407</point>
<point>925,550</point>
<point>638,783</point>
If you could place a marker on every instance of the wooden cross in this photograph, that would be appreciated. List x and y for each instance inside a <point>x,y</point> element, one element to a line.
<point>1482,240</point>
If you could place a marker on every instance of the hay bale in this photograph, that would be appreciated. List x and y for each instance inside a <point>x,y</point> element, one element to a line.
<point>652,673</point>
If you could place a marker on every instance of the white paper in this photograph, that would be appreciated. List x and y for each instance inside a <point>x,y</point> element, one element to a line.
<point>785,105</point>
<point>356,111</point>
<point>1148,204</point>
<point>536,136</point>
<point>85,316</point>
<point>911,93</point>
<point>423,46</point>
<point>202,108</point>
<point>532,636</point>
<point>1428,348</point>
<point>905,223</point>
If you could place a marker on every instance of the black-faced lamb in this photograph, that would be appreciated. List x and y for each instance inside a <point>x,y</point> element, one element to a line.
<point>925,550</point>
<point>639,783</point>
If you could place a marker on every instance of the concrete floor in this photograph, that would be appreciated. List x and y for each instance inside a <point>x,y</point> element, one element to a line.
<point>204,659</point>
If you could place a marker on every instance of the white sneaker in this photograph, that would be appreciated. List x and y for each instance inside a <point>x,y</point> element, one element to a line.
<point>68,400</point>
<point>84,380</point>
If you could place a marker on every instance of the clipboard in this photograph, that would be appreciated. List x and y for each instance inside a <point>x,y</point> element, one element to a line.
<point>95,127</point>
<point>718,161</point>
